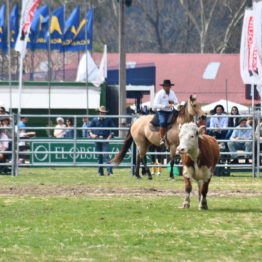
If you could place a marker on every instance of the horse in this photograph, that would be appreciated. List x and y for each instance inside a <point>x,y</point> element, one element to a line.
<point>143,134</point>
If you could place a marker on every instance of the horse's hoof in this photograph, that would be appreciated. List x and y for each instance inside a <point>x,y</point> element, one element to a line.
<point>186,205</point>
<point>138,177</point>
<point>150,178</point>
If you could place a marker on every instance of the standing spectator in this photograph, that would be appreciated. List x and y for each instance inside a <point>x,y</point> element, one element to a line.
<point>6,123</point>
<point>105,134</point>
<point>219,122</point>
<point>59,132</point>
<point>23,135</point>
<point>69,132</point>
<point>3,145</point>
<point>232,121</point>
<point>85,125</point>
<point>236,143</point>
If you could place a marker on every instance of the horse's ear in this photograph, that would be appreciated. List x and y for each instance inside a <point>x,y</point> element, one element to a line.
<point>193,98</point>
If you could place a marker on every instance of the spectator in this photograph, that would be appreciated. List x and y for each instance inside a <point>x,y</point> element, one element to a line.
<point>219,122</point>
<point>69,132</point>
<point>85,125</point>
<point>232,121</point>
<point>3,145</point>
<point>21,127</point>
<point>59,132</point>
<point>258,140</point>
<point>6,123</point>
<point>23,135</point>
<point>236,143</point>
<point>105,134</point>
<point>209,132</point>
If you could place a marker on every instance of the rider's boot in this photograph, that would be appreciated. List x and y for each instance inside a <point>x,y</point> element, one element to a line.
<point>162,132</point>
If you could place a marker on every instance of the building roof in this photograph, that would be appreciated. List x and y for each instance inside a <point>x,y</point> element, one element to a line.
<point>186,71</point>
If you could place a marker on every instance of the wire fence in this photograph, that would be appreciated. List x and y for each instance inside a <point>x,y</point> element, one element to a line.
<point>79,151</point>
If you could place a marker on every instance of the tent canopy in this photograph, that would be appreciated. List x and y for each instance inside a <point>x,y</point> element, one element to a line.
<point>227,105</point>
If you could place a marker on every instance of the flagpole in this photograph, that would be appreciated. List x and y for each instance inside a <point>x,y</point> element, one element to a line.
<point>62,44</point>
<point>20,80</point>
<point>87,104</point>
<point>49,65</point>
<point>9,56</point>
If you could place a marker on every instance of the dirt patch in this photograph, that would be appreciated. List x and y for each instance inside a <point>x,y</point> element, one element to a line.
<point>47,190</point>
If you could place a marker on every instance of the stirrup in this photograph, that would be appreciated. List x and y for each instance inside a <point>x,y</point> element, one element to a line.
<point>162,141</point>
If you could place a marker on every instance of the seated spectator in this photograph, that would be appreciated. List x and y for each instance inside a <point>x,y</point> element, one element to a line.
<point>236,143</point>
<point>219,122</point>
<point>232,121</point>
<point>69,132</point>
<point>59,132</point>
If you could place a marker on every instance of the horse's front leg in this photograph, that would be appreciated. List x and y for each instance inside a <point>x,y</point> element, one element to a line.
<point>143,159</point>
<point>203,189</point>
<point>137,167</point>
<point>188,189</point>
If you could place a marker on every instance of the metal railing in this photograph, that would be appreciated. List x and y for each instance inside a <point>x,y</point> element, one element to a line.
<point>74,153</point>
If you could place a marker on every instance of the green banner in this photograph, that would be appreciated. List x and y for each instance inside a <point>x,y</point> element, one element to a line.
<point>63,152</point>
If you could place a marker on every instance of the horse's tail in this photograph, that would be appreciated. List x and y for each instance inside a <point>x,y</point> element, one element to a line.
<point>127,143</point>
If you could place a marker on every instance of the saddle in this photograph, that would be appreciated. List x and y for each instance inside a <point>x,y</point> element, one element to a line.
<point>171,119</point>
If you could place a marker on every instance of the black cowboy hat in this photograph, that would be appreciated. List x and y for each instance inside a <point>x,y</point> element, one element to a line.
<point>167,82</point>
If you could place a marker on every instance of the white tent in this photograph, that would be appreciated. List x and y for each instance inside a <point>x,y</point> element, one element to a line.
<point>227,105</point>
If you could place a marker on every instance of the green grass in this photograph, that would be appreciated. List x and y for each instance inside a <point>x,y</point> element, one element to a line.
<point>126,227</point>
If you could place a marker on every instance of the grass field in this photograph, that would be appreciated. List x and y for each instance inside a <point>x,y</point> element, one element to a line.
<point>71,214</point>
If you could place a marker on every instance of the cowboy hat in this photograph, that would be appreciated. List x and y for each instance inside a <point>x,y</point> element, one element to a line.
<point>167,82</point>
<point>102,109</point>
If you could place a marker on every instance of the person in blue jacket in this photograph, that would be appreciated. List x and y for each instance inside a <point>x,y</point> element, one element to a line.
<point>102,134</point>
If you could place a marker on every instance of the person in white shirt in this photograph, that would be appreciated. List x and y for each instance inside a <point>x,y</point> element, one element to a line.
<point>164,102</point>
<point>219,122</point>
<point>59,132</point>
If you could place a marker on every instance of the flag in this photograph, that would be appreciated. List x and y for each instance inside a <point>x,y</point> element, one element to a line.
<point>56,28</point>
<point>27,15</point>
<point>36,26</point>
<point>83,35</point>
<point>14,25</point>
<point>41,41</point>
<point>3,33</point>
<point>257,11</point>
<point>87,64</point>
<point>102,71</point>
<point>250,65</point>
<point>71,26</point>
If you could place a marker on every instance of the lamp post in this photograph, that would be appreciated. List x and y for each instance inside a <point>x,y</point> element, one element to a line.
<point>122,64</point>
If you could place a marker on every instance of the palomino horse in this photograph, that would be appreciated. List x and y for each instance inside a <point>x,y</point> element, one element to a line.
<point>142,133</point>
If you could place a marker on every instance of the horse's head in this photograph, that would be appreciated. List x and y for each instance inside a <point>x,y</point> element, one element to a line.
<point>194,107</point>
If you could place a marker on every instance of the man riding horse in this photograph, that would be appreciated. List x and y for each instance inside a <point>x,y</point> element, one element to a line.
<point>165,102</point>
